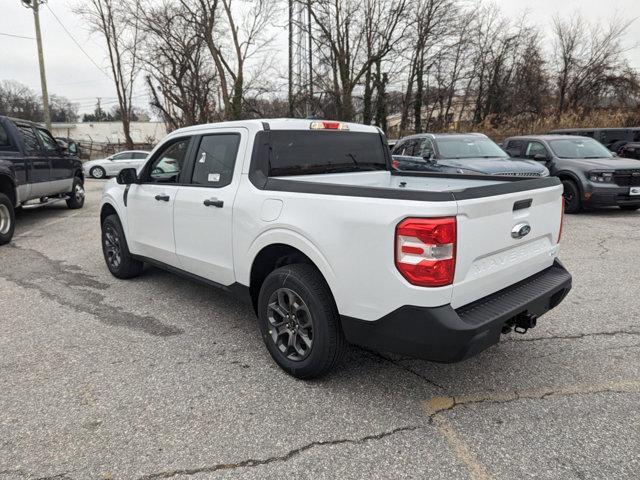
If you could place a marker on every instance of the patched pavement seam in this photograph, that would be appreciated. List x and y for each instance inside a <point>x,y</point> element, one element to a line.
<point>440,404</point>
<point>576,336</point>
<point>437,406</point>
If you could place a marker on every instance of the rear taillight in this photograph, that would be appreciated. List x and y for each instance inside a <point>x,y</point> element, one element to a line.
<point>425,250</point>
<point>395,164</point>
<point>561,220</point>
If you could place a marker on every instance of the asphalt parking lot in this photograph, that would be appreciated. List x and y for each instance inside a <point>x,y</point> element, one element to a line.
<point>160,377</point>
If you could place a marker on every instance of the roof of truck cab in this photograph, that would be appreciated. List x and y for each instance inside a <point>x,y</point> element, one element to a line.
<point>21,120</point>
<point>274,124</point>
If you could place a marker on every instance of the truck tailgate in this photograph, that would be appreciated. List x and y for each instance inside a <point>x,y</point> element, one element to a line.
<point>489,258</point>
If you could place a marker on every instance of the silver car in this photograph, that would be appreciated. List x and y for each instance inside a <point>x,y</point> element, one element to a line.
<point>111,166</point>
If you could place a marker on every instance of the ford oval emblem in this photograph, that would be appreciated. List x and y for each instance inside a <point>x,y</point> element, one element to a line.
<point>520,230</point>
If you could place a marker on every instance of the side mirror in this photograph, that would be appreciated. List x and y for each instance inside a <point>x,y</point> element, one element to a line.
<point>429,158</point>
<point>127,176</point>
<point>538,157</point>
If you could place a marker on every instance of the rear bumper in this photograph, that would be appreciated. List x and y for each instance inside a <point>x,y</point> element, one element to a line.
<point>442,334</point>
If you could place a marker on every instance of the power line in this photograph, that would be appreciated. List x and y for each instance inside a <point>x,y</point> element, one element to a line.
<point>76,42</point>
<point>17,36</point>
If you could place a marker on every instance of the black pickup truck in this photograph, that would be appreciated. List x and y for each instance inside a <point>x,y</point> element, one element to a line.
<point>33,166</point>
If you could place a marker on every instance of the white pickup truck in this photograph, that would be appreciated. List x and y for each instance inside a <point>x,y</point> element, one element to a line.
<point>305,221</point>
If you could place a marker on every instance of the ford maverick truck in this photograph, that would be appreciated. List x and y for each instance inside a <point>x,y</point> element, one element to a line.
<point>308,223</point>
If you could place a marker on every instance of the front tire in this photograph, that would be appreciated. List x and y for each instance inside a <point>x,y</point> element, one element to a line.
<point>572,203</point>
<point>97,172</point>
<point>299,321</point>
<point>116,251</point>
<point>630,208</point>
<point>76,197</point>
<point>7,219</point>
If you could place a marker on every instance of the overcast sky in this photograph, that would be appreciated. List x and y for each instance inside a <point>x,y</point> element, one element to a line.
<point>71,74</point>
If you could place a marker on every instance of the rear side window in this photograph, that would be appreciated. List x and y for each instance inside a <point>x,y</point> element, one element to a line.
<point>299,152</point>
<point>215,160</point>
<point>139,156</point>
<point>29,138</point>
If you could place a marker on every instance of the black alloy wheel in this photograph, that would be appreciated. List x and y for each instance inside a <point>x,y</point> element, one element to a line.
<point>290,324</point>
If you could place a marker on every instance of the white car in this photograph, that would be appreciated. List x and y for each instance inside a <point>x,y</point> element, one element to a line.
<point>111,166</point>
<point>306,222</point>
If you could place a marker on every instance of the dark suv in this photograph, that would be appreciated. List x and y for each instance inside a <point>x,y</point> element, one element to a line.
<point>591,174</point>
<point>469,153</point>
<point>612,138</point>
<point>34,167</point>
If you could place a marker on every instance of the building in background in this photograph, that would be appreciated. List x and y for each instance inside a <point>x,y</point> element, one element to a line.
<point>100,139</point>
<point>110,132</point>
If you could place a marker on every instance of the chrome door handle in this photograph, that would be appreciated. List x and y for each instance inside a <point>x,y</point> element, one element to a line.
<point>162,197</point>
<point>213,202</point>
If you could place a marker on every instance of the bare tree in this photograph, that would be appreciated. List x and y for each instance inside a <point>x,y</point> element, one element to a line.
<point>180,75</point>
<point>18,100</point>
<point>589,61</point>
<point>352,35</point>
<point>245,24</point>
<point>108,18</point>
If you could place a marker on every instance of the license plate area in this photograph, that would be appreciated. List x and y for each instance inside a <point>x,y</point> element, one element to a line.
<point>634,191</point>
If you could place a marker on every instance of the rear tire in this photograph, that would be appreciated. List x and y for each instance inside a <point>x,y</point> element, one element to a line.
<point>7,219</point>
<point>116,251</point>
<point>630,208</point>
<point>572,203</point>
<point>98,172</point>
<point>295,301</point>
<point>76,197</point>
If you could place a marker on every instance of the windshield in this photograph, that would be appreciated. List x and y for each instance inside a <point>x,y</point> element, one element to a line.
<point>579,148</point>
<point>468,147</point>
<point>299,152</point>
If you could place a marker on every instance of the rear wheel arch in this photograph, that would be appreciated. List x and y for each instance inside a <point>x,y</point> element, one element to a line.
<point>8,187</point>
<point>272,257</point>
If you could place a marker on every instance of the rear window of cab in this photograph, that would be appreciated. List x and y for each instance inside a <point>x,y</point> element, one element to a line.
<point>299,152</point>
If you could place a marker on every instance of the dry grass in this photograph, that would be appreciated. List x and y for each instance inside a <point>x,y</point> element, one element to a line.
<point>540,124</point>
<point>543,124</point>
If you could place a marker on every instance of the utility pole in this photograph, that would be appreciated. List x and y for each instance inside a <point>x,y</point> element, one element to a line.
<point>35,6</point>
<point>290,96</point>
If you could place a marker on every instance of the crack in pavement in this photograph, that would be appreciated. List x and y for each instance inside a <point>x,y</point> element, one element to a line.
<point>603,250</point>
<point>398,364</point>
<point>68,286</point>
<point>440,404</point>
<point>576,336</point>
<point>280,458</point>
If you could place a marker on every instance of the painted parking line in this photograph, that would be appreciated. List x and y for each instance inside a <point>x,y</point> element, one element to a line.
<point>436,407</point>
